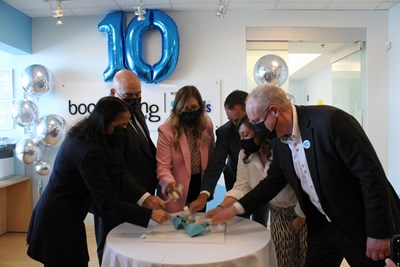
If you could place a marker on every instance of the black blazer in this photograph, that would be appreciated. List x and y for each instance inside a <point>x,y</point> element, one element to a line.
<point>224,159</point>
<point>77,183</point>
<point>141,157</point>
<point>348,177</point>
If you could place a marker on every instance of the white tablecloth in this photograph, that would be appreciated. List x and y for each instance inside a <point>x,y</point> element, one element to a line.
<point>247,244</point>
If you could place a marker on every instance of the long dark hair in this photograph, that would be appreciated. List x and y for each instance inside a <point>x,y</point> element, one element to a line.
<point>265,144</point>
<point>106,110</point>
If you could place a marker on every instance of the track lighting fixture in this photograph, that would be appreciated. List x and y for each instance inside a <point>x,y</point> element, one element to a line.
<point>140,10</point>
<point>222,7</point>
<point>58,13</point>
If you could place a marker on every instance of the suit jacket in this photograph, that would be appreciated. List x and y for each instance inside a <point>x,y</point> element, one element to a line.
<point>347,175</point>
<point>141,157</point>
<point>78,182</point>
<point>225,159</point>
<point>173,163</point>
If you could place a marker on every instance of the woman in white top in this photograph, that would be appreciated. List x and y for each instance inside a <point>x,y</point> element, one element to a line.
<point>287,221</point>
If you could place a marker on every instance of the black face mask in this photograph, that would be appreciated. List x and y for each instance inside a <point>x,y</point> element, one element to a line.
<point>117,135</point>
<point>249,146</point>
<point>263,131</point>
<point>134,103</point>
<point>190,118</point>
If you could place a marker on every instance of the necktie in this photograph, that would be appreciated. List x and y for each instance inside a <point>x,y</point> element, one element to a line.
<point>139,129</point>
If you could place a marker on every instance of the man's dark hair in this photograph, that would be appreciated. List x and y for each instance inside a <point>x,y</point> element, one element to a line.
<point>237,97</point>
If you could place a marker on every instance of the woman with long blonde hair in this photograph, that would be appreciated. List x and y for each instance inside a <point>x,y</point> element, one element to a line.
<point>184,147</point>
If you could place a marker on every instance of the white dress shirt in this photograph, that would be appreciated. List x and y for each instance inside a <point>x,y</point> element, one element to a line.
<point>297,146</point>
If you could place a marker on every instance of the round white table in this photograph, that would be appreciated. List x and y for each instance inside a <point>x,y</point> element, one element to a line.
<point>246,243</point>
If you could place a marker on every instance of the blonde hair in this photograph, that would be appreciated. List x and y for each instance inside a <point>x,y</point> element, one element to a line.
<point>181,99</point>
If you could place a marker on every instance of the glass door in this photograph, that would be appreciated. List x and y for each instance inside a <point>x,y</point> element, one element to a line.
<point>347,85</point>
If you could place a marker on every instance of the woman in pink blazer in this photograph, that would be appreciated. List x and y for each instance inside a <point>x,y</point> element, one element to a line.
<point>184,147</point>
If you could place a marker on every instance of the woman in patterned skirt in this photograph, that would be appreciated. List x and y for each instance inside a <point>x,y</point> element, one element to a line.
<point>287,221</point>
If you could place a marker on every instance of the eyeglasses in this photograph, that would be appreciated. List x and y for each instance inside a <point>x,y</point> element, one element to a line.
<point>128,95</point>
<point>259,120</point>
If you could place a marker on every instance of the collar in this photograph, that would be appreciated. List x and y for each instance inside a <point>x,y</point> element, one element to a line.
<point>295,130</point>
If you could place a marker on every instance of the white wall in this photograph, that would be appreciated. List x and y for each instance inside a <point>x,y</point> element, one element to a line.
<point>210,49</point>
<point>319,87</point>
<point>394,99</point>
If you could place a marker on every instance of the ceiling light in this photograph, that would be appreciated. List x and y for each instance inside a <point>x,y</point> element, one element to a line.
<point>58,13</point>
<point>59,21</point>
<point>140,10</point>
<point>222,7</point>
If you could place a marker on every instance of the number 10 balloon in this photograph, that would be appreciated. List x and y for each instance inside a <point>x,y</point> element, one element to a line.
<point>128,54</point>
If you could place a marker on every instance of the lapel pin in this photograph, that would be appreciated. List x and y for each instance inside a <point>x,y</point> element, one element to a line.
<point>306,144</point>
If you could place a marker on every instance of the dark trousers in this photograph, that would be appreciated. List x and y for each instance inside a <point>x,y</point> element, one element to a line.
<point>101,229</point>
<point>261,215</point>
<point>194,189</point>
<point>326,247</point>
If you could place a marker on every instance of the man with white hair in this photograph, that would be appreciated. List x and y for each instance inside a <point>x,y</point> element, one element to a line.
<point>324,154</point>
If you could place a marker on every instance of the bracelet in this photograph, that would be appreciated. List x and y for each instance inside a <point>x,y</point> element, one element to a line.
<point>222,207</point>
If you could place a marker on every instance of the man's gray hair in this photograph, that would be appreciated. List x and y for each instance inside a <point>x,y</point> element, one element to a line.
<point>268,94</point>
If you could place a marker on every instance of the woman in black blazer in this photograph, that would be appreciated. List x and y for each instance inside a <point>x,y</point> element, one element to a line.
<point>79,183</point>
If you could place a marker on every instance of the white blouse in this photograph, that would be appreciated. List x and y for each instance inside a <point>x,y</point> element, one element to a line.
<point>250,174</point>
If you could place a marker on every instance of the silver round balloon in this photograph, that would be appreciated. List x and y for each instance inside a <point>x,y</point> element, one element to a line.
<point>24,113</point>
<point>27,151</point>
<point>36,80</point>
<point>42,167</point>
<point>270,69</point>
<point>50,130</point>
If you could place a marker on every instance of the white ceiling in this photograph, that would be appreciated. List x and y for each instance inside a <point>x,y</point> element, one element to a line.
<point>43,8</point>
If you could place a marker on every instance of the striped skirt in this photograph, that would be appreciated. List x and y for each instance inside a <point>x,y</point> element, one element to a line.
<point>290,247</point>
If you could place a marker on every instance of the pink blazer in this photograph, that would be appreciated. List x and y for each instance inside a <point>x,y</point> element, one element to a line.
<point>173,163</point>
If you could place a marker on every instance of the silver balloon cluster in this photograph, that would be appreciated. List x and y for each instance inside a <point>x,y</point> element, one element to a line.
<point>270,69</point>
<point>36,80</point>
<point>48,130</point>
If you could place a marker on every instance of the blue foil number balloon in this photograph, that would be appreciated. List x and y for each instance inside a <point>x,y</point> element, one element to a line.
<point>170,46</point>
<point>154,19</point>
<point>133,48</point>
<point>113,26</point>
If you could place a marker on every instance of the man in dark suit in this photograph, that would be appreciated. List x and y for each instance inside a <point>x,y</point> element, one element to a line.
<point>323,152</point>
<point>138,157</point>
<point>225,154</point>
<point>140,151</point>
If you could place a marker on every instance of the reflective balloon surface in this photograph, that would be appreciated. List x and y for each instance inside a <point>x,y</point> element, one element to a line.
<point>170,46</point>
<point>27,151</point>
<point>24,113</point>
<point>50,130</point>
<point>113,26</point>
<point>42,167</point>
<point>270,69</point>
<point>36,80</point>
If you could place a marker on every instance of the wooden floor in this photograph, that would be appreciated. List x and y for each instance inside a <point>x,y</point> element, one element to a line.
<point>13,250</point>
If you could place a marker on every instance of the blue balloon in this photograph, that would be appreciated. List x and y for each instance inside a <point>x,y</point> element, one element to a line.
<point>170,46</point>
<point>113,26</point>
<point>134,59</point>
